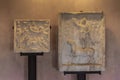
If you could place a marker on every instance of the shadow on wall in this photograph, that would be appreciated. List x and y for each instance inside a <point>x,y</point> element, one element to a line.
<point>12,38</point>
<point>110,49</point>
<point>54,46</point>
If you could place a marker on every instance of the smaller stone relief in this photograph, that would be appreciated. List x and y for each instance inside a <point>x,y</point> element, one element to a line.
<point>31,36</point>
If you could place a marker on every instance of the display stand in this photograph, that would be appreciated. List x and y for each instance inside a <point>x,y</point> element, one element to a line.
<point>32,67</point>
<point>81,75</point>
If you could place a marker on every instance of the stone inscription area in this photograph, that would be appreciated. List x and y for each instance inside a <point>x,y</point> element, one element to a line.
<point>81,42</point>
<point>31,36</point>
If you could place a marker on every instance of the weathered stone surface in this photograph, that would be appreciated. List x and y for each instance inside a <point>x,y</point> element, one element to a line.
<point>31,36</point>
<point>81,42</point>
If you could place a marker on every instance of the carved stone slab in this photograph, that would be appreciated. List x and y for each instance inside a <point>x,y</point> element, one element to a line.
<point>31,36</point>
<point>81,41</point>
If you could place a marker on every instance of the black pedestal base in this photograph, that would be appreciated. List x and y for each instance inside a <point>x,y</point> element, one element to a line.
<point>82,74</point>
<point>32,67</point>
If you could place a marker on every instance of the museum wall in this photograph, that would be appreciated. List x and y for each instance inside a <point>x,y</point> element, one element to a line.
<point>14,67</point>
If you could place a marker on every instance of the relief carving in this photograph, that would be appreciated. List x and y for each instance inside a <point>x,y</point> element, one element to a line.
<point>81,42</point>
<point>32,36</point>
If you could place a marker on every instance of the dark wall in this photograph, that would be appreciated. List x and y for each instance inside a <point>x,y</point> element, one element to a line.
<point>14,67</point>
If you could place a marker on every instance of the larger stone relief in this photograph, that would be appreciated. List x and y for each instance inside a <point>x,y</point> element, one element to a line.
<point>81,42</point>
<point>31,36</point>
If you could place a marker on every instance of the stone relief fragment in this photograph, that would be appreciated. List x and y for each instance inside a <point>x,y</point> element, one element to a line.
<point>81,41</point>
<point>31,36</point>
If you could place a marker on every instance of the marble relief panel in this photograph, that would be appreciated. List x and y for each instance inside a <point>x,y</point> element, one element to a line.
<point>81,41</point>
<point>31,36</point>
